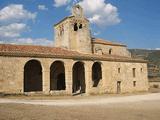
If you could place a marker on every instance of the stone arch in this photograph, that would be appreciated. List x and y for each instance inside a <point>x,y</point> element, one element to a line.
<point>78,72</point>
<point>32,76</point>
<point>96,73</point>
<point>57,76</point>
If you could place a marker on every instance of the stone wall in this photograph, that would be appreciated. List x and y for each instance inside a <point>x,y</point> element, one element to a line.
<point>78,40</point>
<point>154,84</point>
<point>115,50</point>
<point>112,75</point>
<point>12,75</point>
<point>61,35</point>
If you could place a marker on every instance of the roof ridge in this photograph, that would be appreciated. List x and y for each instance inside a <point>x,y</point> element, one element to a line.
<point>43,51</point>
<point>107,42</point>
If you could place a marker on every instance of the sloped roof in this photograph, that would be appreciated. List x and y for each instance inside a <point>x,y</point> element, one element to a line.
<point>68,17</point>
<point>53,52</point>
<point>63,20</point>
<point>31,49</point>
<point>106,42</point>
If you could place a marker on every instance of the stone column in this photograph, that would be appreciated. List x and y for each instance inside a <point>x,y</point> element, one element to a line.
<point>46,81</point>
<point>68,78</point>
<point>88,77</point>
<point>104,80</point>
<point>21,81</point>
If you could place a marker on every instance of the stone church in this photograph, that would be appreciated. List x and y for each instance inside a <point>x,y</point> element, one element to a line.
<point>78,63</point>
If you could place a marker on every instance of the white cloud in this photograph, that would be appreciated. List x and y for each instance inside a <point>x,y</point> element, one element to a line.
<point>15,13</point>
<point>100,13</point>
<point>13,20</point>
<point>42,7</point>
<point>12,30</point>
<point>37,41</point>
<point>29,41</point>
<point>58,3</point>
<point>157,49</point>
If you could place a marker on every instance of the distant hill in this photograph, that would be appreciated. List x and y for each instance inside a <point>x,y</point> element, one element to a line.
<point>153,56</point>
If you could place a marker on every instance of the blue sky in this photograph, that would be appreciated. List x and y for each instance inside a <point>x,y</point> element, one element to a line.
<point>132,22</point>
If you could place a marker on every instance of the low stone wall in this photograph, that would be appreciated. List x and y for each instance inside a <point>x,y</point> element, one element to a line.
<point>154,84</point>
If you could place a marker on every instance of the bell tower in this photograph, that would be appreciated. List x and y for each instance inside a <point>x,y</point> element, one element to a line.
<point>73,32</point>
<point>77,11</point>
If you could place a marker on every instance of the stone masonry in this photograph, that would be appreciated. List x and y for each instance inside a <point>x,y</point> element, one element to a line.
<point>76,64</point>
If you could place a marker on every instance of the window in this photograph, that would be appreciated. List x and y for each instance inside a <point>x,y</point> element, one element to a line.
<point>98,50</point>
<point>119,70</point>
<point>118,87</point>
<point>141,69</point>
<point>134,83</point>
<point>80,26</point>
<point>134,72</point>
<point>75,27</point>
<point>110,51</point>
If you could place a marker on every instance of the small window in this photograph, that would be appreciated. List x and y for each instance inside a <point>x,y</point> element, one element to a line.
<point>134,72</point>
<point>61,30</point>
<point>118,87</point>
<point>119,70</point>
<point>134,83</point>
<point>110,51</point>
<point>141,69</point>
<point>75,27</point>
<point>80,26</point>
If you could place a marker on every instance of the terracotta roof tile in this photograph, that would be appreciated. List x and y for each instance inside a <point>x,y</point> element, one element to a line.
<point>42,51</point>
<point>106,42</point>
<point>34,49</point>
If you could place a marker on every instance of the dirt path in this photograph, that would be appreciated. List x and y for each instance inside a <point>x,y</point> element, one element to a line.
<point>137,107</point>
<point>86,101</point>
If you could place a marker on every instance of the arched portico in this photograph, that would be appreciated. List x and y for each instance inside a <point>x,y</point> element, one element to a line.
<point>96,74</point>
<point>32,76</point>
<point>57,76</point>
<point>78,72</point>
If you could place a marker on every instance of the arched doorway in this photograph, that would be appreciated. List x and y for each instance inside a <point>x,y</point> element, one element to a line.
<point>32,76</point>
<point>96,74</point>
<point>78,78</point>
<point>57,76</point>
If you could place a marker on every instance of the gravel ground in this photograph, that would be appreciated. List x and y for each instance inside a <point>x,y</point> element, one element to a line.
<point>99,100</point>
<point>135,107</point>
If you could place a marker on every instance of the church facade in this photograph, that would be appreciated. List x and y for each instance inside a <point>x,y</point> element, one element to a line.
<point>76,64</point>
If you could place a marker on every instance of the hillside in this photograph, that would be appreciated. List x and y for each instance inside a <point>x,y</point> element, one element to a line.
<point>153,56</point>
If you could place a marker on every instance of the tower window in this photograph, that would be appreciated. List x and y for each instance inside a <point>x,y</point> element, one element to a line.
<point>119,70</point>
<point>61,30</point>
<point>134,72</point>
<point>75,27</point>
<point>80,26</point>
<point>134,83</point>
<point>110,51</point>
